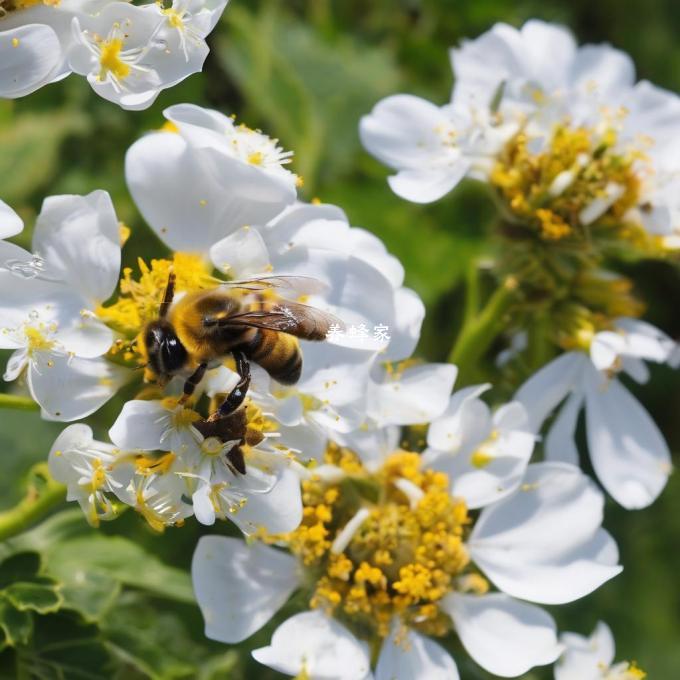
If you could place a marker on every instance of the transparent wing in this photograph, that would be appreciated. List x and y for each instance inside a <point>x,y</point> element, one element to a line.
<point>294,318</point>
<point>303,285</point>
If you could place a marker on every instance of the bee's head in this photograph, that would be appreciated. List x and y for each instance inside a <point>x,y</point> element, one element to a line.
<point>166,354</point>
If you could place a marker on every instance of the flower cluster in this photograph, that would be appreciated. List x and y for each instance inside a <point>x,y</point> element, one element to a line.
<point>77,340</point>
<point>389,557</point>
<point>129,53</point>
<point>409,520</point>
<point>582,163</point>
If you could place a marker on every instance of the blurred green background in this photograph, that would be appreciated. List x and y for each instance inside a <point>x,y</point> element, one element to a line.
<point>305,71</point>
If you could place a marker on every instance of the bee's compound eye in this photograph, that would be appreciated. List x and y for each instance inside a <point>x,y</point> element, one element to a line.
<point>173,354</point>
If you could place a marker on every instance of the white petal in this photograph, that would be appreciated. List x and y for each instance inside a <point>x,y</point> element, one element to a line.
<point>76,436</point>
<point>603,69</point>
<point>86,336</point>
<point>186,215</point>
<point>645,341</point>
<point>240,587</point>
<point>10,223</point>
<point>560,444</point>
<point>544,390</point>
<point>317,646</point>
<point>409,316</point>
<point>426,186</point>
<point>508,455</point>
<point>465,422</point>
<point>71,388</point>
<point>628,452</point>
<point>79,237</point>
<point>504,636</point>
<point>204,510</point>
<point>402,131</point>
<point>144,425</point>
<point>516,545</point>
<point>29,55</point>
<point>406,655</point>
<point>241,254</point>
<point>278,511</point>
<point>416,395</point>
<point>586,658</point>
<point>606,348</point>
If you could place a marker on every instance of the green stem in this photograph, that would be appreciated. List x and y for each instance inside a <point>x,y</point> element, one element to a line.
<point>18,403</point>
<point>479,332</point>
<point>471,305</point>
<point>43,494</point>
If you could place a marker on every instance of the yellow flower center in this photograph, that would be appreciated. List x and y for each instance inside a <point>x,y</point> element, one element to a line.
<point>174,18</point>
<point>111,61</point>
<point>625,671</point>
<point>401,559</point>
<point>556,190</point>
<point>140,298</point>
<point>37,340</point>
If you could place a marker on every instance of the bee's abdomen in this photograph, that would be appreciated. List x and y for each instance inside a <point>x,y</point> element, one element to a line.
<point>278,353</point>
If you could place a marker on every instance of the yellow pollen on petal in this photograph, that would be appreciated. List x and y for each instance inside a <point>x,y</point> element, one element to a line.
<point>169,126</point>
<point>15,42</point>
<point>480,459</point>
<point>256,158</point>
<point>149,465</point>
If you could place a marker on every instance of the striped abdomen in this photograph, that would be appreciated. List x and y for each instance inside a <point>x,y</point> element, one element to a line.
<point>278,353</point>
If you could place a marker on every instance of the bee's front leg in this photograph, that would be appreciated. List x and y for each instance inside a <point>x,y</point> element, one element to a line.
<point>192,381</point>
<point>236,397</point>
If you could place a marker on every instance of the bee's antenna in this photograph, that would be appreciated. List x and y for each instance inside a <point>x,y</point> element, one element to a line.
<point>169,294</point>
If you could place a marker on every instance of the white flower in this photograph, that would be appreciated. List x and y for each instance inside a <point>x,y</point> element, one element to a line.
<point>484,455</point>
<point>397,395</point>
<point>90,469</point>
<point>593,658</point>
<point>128,53</point>
<point>627,451</point>
<point>574,80</point>
<point>240,587</point>
<point>47,313</point>
<point>208,180</point>
<point>186,25</point>
<point>267,495</point>
<point>432,148</point>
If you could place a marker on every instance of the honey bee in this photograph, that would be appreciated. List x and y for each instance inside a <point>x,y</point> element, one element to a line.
<point>204,327</point>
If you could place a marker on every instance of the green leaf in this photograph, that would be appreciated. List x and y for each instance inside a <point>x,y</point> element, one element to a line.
<point>41,598</point>
<point>19,567</point>
<point>16,625</point>
<point>64,646</point>
<point>119,559</point>
<point>91,593</point>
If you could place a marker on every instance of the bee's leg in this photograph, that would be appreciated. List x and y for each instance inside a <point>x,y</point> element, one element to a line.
<point>235,398</point>
<point>236,461</point>
<point>192,381</point>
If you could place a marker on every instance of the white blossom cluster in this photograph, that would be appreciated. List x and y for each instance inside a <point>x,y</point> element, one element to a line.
<point>129,53</point>
<point>221,191</point>
<point>510,104</point>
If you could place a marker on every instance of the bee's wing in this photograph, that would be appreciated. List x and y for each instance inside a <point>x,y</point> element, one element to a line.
<point>302,285</point>
<point>294,318</point>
